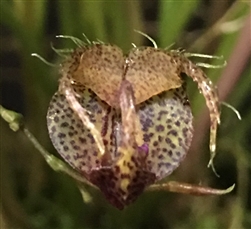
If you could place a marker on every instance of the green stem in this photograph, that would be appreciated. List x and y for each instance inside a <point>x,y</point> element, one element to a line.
<point>16,122</point>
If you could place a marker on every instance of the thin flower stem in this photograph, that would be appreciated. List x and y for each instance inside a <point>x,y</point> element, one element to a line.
<point>185,188</point>
<point>16,122</point>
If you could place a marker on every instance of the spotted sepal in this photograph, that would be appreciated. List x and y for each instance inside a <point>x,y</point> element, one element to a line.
<point>72,139</point>
<point>166,121</point>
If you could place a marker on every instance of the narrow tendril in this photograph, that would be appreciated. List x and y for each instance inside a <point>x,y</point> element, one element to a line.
<point>233,109</point>
<point>148,37</point>
<point>43,60</point>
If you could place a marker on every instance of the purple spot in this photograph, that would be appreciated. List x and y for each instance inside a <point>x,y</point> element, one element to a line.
<point>166,164</point>
<point>184,130</point>
<point>67,157</point>
<point>168,120</point>
<point>173,132</point>
<point>161,157</point>
<point>144,148</point>
<point>159,128</point>
<point>161,113</point>
<point>170,153</point>
<point>146,138</point>
<point>173,146</point>
<point>53,129</point>
<point>78,156</point>
<point>155,143</point>
<point>186,120</point>
<point>105,142</point>
<point>160,138</point>
<point>95,153</point>
<point>56,119</point>
<point>168,141</point>
<point>174,115</point>
<point>70,134</point>
<point>64,124</point>
<point>61,135</point>
<point>82,140</point>
<point>76,147</point>
<point>66,148</point>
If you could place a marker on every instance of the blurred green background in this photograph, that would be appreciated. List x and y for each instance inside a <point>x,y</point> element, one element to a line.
<point>35,196</point>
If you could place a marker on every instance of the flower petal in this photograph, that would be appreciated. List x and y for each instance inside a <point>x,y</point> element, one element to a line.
<point>151,71</point>
<point>72,139</point>
<point>99,67</point>
<point>167,129</point>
